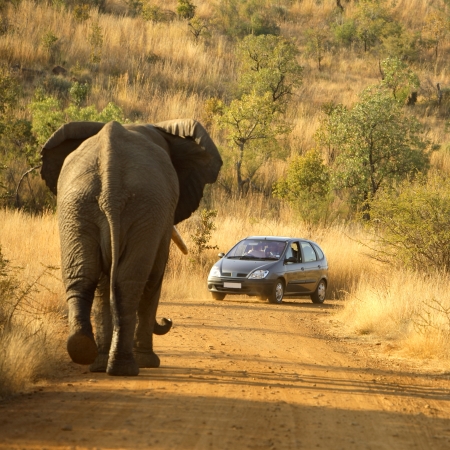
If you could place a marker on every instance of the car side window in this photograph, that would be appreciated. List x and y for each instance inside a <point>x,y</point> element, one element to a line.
<point>293,252</point>
<point>308,252</point>
<point>319,252</point>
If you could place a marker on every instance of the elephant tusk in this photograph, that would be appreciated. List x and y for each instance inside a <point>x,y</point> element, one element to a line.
<point>176,237</point>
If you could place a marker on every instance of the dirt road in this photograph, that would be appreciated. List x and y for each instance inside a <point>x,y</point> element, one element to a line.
<point>241,374</point>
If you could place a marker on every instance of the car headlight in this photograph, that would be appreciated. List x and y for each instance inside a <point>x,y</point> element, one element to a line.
<point>215,272</point>
<point>258,274</point>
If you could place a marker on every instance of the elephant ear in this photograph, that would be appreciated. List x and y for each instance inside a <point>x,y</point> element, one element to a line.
<point>60,144</point>
<point>195,158</point>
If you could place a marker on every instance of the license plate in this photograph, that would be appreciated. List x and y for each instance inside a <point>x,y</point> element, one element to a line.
<point>232,285</point>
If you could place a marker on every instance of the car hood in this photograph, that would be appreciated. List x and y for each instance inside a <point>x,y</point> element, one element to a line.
<point>235,266</point>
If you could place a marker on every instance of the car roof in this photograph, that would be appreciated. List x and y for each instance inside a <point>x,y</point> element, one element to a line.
<point>279,238</point>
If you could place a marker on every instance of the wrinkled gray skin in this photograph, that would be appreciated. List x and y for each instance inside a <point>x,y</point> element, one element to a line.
<point>120,189</point>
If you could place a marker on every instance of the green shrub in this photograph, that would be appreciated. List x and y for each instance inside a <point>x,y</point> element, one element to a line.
<point>186,9</point>
<point>153,13</point>
<point>9,90</point>
<point>81,13</point>
<point>79,92</point>
<point>239,18</point>
<point>346,33</point>
<point>48,115</point>
<point>410,224</point>
<point>306,187</point>
<point>203,232</point>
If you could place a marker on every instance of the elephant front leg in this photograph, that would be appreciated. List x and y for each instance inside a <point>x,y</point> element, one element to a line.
<point>103,325</point>
<point>143,341</point>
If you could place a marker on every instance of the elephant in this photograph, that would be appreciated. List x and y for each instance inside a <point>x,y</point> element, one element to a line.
<point>120,190</point>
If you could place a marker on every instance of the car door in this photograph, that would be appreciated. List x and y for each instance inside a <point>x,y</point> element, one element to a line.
<point>310,268</point>
<point>293,269</point>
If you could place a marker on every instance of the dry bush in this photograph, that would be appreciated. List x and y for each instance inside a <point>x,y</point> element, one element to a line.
<point>403,306</point>
<point>32,314</point>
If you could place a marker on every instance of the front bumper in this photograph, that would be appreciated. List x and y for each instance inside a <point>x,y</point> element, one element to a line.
<point>261,287</point>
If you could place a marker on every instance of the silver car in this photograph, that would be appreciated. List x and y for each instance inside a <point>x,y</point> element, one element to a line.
<point>271,267</point>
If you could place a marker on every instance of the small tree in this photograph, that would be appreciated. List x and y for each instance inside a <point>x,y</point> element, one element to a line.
<point>185,9</point>
<point>95,39</point>
<point>79,92</point>
<point>317,41</point>
<point>436,29</point>
<point>269,64</point>
<point>49,42</point>
<point>375,144</point>
<point>398,78</point>
<point>252,123</point>
<point>369,25</point>
<point>239,18</point>
<point>306,187</point>
<point>9,90</point>
<point>198,27</point>
<point>81,12</point>
<point>154,13</point>
<point>203,232</point>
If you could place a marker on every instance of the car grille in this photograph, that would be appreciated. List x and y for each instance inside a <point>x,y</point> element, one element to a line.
<point>231,274</point>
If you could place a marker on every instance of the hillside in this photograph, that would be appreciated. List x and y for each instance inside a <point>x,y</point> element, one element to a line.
<point>155,70</point>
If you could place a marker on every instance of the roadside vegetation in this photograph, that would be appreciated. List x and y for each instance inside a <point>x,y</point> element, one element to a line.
<point>332,119</point>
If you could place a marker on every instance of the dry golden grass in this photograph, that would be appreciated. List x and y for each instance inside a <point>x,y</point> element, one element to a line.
<point>31,344</point>
<point>408,308</point>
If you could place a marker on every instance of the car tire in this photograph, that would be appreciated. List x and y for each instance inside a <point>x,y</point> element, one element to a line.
<point>319,294</point>
<point>218,295</point>
<point>276,296</point>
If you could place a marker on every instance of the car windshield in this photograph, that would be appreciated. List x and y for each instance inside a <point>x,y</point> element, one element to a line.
<point>257,249</point>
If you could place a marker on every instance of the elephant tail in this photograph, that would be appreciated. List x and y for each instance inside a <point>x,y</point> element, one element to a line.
<point>111,199</point>
<point>164,328</point>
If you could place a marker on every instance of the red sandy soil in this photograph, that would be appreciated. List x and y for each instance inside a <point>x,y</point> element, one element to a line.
<point>241,374</point>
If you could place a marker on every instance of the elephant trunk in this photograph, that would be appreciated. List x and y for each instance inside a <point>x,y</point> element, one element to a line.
<point>176,237</point>
<point>164,328</point>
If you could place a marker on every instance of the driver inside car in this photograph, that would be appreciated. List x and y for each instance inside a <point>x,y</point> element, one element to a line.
<point>256,251</point>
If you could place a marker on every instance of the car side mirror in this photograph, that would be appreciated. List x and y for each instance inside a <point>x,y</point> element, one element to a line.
<point>221,255</point>
<point>291,259</point>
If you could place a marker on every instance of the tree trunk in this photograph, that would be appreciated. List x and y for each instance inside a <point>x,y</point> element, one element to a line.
<point>240,182</point>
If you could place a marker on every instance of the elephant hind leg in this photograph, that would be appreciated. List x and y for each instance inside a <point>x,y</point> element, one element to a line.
<point>80,264</point>
<point>82,348</point>
<point>101,312</point>
<point>81,344</point>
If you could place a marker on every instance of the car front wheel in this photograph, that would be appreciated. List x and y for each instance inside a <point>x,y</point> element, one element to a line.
<point>218,295</point>
<point>319,294</point>
<point>276,296</point>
